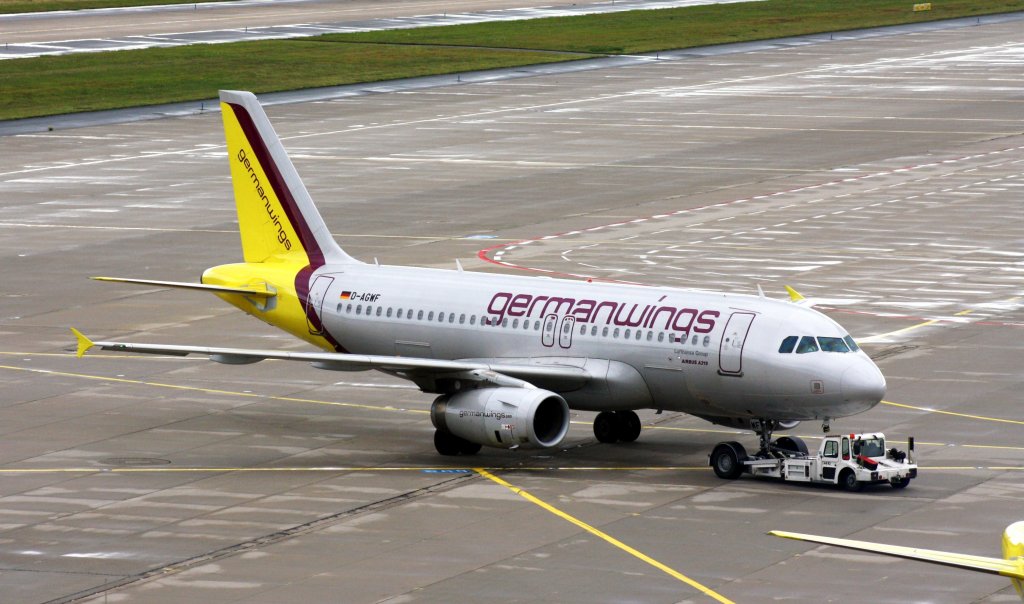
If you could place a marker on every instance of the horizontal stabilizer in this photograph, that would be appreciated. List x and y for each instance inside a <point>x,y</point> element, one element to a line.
<point>995,566</point>
<point>255,291</point>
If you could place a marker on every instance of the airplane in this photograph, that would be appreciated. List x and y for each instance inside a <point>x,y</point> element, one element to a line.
<point>1010,565</point>
<point>509,356</point>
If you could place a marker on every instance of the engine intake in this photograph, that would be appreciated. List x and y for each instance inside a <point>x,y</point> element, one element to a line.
<point>503,417</point>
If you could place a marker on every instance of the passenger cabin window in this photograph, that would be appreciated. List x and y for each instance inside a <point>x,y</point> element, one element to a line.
<point>389,311</point>
<point>472,319</point>
<point>419,315</point>
<point>788,344</point>
<point>807,344</point>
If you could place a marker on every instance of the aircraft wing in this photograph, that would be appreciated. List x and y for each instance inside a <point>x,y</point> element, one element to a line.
<point>498,374</point>
<point>995,566</point>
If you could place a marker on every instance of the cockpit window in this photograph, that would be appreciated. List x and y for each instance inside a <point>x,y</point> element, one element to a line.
<point>788,344</point>
<point>807,344</point>
<point>849,342</point>
<point>833,344</point>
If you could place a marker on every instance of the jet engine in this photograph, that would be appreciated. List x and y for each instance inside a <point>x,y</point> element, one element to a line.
<point>503,417</point>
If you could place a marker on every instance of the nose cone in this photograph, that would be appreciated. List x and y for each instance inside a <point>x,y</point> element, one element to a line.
<point>863,383</point>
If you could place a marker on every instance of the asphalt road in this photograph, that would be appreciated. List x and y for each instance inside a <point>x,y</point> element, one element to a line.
<point>881,175</point>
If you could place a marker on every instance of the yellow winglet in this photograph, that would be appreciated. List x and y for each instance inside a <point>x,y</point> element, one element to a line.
<point>84,343</point>
<point>794,295</point>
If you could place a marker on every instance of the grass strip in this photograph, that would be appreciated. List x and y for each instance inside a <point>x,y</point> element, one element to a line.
<point>687,27</point>
<point>93,81</point>
<point>85,82</point>
<point>38,6</point>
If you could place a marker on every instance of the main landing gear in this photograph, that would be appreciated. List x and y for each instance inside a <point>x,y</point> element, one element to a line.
<point>617,426</point>
<point>447,443</point>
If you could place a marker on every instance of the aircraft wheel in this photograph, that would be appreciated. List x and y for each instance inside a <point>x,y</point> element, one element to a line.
<point>901,483</point>
<point>469,448</point>
<point>727,460</point>
<point>629,426</point>
<point>848,480</point>
<point>606,427</point>
<point>447,443</point>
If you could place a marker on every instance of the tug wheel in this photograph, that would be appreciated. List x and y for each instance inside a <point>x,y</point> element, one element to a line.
<point>727,460</point>
<point>848,480</point>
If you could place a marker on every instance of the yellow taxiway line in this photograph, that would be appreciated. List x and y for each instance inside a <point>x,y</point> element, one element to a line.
<point>953,413</point>
<point>605,536</point>
<point>391,408</point>
<point>291,399</point>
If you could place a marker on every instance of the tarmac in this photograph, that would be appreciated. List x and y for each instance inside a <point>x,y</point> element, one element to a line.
<point>881,176</point>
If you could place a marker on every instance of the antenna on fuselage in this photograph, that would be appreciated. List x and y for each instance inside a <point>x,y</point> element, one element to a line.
<point>458,265</point>
<point>760,292</point>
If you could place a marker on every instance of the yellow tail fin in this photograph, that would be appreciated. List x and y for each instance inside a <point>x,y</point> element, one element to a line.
<point>276,216</point>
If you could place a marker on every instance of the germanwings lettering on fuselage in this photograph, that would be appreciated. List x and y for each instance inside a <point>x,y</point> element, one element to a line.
<point>508,304</point>
<point>282,237</point>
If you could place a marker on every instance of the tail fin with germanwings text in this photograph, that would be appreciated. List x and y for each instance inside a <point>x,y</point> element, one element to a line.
<point>284,238</point>
<point>276,216</point>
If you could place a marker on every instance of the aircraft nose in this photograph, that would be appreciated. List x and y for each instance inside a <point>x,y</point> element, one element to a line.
<point>863,383</point>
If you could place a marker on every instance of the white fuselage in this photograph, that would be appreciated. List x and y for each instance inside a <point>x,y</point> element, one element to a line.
<point>708,354</point>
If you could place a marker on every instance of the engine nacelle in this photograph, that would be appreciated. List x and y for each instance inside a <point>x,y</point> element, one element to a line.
<point>503,417</point>
<point>748,423</point>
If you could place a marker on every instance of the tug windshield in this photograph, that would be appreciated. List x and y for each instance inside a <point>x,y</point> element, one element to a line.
<point>869,447</point>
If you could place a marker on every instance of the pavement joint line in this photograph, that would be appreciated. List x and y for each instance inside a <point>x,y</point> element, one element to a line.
<point>605,536</point>
<point>390,408</point>
<point>263,541</point>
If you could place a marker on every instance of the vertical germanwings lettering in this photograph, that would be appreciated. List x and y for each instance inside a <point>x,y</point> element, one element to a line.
<point>282,236</point>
